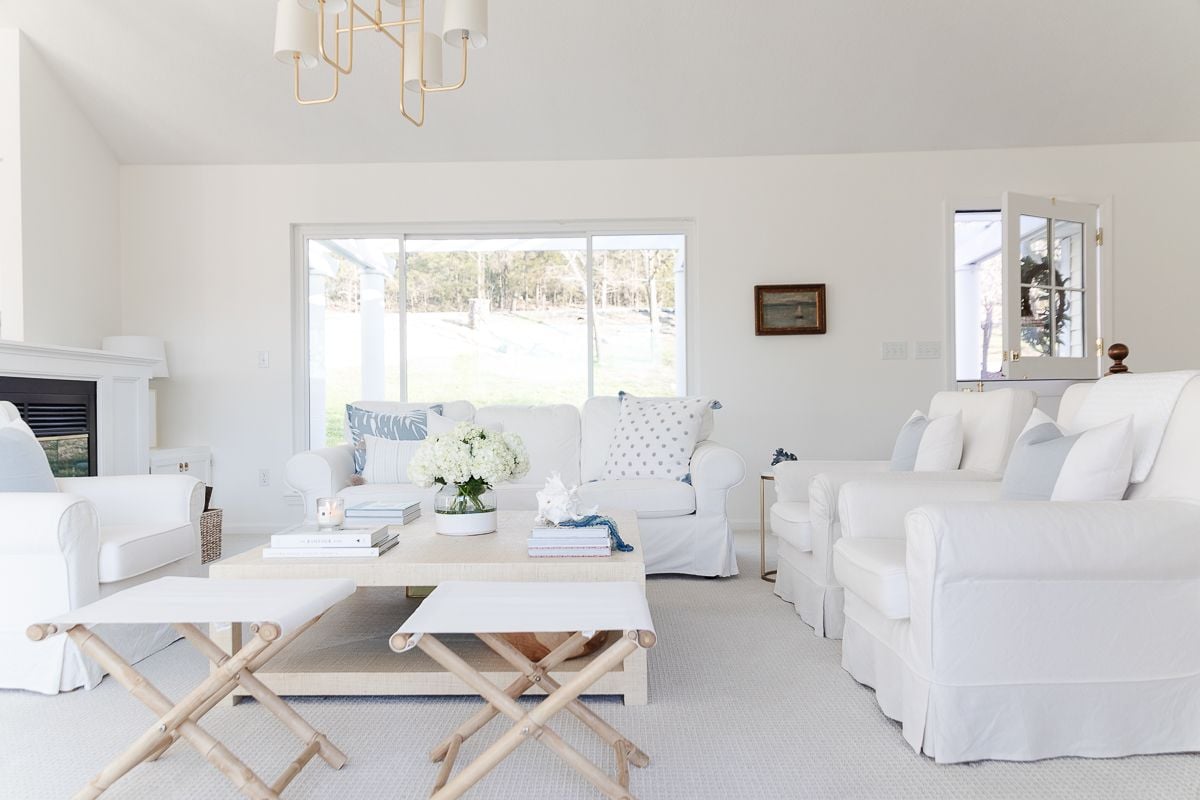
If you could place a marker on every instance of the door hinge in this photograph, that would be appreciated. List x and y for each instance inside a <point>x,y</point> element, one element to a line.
<point>1099,237</point>
<point>1100,346</point>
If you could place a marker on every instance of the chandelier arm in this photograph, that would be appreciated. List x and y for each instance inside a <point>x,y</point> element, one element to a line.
<point>461,81</point>
<point>375,22</point>
<point>337,39</point>
<point>316,101</point>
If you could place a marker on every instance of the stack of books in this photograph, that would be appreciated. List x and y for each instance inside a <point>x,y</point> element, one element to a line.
<point>553,542</point>
<point>309,541</point>
<point>375,512</point>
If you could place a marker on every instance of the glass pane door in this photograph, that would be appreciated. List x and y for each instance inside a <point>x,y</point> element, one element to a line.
<point>1050,280</point>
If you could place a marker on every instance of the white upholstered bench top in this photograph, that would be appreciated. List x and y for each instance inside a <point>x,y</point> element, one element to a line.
<point>287,603</point>
<point>519,607</point>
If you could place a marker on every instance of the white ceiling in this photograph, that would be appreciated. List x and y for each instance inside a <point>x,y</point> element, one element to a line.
<point>169,81</point>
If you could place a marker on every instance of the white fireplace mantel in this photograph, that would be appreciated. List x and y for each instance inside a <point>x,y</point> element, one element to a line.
<point>122,396</point>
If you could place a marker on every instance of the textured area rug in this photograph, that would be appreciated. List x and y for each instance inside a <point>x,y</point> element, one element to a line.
<point>744,703</point>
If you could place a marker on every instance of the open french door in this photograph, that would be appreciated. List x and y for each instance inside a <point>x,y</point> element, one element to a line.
<point>1051,288</point>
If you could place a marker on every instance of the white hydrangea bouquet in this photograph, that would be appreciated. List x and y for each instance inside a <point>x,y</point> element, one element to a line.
<point>467,462</point>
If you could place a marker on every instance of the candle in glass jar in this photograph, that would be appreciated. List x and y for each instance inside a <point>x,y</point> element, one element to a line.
<point>331,512</point>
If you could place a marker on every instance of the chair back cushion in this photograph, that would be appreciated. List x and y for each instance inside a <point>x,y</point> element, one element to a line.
<point>23,463</point>
<point>1176,470</point>
<point>550,433</point>
<point>991,422</point>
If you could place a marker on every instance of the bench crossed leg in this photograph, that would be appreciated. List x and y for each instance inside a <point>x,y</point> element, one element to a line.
<point>180,720</point>
<point>532,724</point>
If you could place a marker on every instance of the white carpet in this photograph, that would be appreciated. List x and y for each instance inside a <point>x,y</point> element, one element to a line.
<point>745,703</point>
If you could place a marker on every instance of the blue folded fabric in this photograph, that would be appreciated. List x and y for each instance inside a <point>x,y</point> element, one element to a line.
<point>593,520</point>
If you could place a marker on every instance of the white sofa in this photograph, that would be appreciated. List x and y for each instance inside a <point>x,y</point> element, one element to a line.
<point>684,527</point>
<point>804,517</point>
<point>62,550</point>
<point>1029,630</point>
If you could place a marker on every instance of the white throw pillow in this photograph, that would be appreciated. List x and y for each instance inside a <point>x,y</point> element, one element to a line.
<point>929,445</point>
<point>387,459</point>
<point>1047,463</point>
<point>655,437</point>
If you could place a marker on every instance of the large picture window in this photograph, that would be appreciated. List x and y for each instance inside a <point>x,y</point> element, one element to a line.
<point>490,319</point>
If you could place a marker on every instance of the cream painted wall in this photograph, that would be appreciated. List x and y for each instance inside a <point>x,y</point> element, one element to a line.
<point>11,291</point>
<point>69,216</point>
<point>207,265</point>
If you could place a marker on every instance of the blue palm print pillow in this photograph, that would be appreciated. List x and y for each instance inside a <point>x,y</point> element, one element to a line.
<point>410,426</point>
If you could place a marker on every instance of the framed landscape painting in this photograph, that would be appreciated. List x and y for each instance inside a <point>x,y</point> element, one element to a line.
<point>789,309</point>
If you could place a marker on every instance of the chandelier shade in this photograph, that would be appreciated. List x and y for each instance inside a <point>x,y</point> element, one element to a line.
<point>433,62</point>
<point>331,6</point>
<point>295,33</point>
<point>465,19</point>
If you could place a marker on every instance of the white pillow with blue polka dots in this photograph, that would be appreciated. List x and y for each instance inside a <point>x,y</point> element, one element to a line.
<point>655,437</point>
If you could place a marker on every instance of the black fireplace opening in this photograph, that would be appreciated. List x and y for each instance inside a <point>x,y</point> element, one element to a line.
<point>62,414</point>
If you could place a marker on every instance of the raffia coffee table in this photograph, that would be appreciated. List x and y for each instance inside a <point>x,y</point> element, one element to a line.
<point>347,652</point>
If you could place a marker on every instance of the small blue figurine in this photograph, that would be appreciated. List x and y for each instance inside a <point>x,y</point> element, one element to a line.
<point>782,455</point>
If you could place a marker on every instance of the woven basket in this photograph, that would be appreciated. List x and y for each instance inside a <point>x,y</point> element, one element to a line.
<point>210,535</point>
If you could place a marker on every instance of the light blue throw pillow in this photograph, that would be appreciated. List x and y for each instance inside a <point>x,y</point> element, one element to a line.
<point>411,426</point>
<point>23,463</point>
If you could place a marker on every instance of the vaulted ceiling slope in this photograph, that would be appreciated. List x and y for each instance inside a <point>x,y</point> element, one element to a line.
<point>171,81</point>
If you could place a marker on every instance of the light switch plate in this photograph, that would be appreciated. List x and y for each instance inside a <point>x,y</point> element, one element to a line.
<point>895,351</point>
<point>929,349</point>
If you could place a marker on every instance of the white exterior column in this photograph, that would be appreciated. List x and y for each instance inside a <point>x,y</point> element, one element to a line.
<point>316,359</point>
<point>371,290</point>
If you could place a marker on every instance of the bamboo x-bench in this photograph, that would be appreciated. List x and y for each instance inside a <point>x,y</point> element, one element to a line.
<point>490,609</point>
<point>279,611</point>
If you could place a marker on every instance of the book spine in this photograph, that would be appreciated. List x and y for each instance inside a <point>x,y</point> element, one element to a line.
<point>549,553</point>
<point>304,540</point>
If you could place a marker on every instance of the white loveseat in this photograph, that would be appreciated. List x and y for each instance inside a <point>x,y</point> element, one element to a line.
<point>804,518</point>
<point>1028,630</point>
<point>62,550</point>
<point>684,527</point>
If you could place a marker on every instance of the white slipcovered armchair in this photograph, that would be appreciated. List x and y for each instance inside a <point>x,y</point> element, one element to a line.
<point>1029,630</point>
<point>95,536</point>
<point>804,517</point>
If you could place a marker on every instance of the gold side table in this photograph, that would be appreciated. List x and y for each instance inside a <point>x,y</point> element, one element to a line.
<point>763,572</point>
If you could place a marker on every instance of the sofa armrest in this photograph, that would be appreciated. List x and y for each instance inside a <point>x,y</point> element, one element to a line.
<point>48,556</point>
<point>876,508</point>
<point>792,477</point>
<point>1049,592</point>
<point>715,469</point>
<point>319,473</point>
<point>127,499</point>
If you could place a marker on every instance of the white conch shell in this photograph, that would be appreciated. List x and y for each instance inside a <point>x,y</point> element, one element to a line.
<point>557,503</point>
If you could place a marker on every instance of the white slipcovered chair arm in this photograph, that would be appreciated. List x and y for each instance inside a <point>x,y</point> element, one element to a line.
<point>792,477</point>
<point>44,523</point>
<point>715,469</point>
<point>49,556</point>
<point>876,508</point>
<point>322,472</point>
<point>1116,540</point>
<point>126,499</point>
<point>1051,592</point>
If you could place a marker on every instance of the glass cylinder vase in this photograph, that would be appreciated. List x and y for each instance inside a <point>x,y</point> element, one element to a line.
<point>464,509</point>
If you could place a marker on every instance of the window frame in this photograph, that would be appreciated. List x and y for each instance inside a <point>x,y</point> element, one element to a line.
<point>1106,268</point>
<point>687,367</point>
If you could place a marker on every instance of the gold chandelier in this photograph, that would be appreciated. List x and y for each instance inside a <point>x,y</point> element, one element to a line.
<point>302,34</point>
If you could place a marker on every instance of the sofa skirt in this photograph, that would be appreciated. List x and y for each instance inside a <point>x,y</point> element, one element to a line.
<point>817,605</point>
<point>1016,722</point>
<point>688,545</point>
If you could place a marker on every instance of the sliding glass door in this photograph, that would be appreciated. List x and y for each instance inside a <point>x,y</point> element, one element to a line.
<point>491,319</point>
